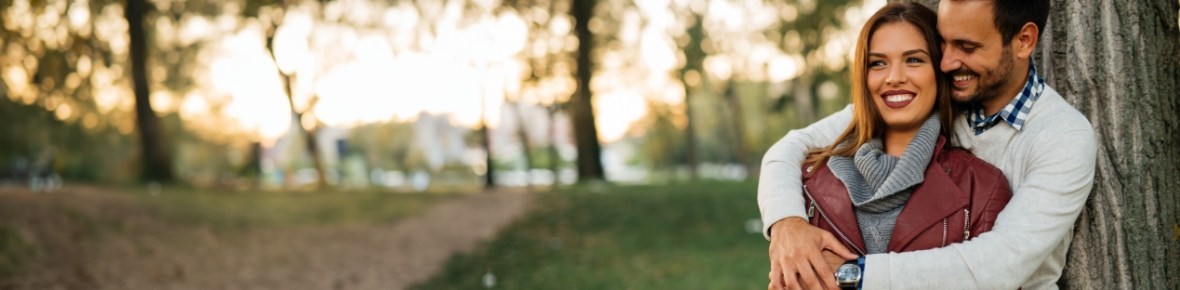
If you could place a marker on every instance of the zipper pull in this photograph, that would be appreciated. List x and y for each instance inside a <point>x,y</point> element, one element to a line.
<point>966,224</point>
<point>811,210</point>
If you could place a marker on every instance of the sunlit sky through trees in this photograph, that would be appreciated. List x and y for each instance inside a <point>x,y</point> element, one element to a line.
<point>366,61</point>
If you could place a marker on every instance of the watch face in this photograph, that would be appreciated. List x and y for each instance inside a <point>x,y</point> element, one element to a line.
<point>847,273</point>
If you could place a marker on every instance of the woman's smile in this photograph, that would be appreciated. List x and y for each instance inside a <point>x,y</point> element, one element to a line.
<point>898,98</point>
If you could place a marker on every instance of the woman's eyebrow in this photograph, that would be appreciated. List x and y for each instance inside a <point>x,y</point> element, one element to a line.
<point>908,52</point>
<point>916,51</point>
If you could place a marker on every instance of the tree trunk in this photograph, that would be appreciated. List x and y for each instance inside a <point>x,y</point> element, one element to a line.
<point>313,148</point>
<point>694,65</point>
<point>1115,62</point>
<point>739,130</point>
<point>489,176</point>
<point>554,156</point>
<point>585,130</point>
<point>690,136</point>
<point>157,160</point>
<point>525,147</point>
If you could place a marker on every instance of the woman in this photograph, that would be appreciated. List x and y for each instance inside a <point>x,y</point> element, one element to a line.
<point>891,182</point>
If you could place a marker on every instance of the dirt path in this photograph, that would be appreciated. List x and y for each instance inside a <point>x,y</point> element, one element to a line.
<point>149,255</point>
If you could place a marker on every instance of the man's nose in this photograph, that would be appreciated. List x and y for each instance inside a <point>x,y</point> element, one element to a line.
<point>951,59</point>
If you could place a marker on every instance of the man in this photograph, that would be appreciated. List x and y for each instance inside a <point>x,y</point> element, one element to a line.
<point>1015,121</point>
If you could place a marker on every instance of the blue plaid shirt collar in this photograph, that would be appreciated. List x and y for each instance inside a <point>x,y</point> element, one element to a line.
<point>1016,112</point>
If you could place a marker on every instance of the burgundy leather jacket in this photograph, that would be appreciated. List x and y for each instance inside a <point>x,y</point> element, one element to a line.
<point>959,198</point>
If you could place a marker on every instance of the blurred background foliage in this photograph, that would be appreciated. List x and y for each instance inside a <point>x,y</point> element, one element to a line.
<point>291,94</point>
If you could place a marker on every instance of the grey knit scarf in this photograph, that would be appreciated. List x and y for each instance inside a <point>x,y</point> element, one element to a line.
<point>880,184</point>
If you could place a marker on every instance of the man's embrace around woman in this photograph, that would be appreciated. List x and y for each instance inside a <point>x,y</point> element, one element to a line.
<point>897,190</point>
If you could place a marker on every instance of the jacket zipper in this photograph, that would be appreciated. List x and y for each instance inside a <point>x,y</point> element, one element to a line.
<point>824,216</point>
<point>966,224</point>
<point>943,233</point>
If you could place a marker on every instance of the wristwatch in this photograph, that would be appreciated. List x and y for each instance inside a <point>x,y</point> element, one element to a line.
<point>848,274</point>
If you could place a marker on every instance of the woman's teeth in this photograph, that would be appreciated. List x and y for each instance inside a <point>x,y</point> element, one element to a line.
<point>899,98</point>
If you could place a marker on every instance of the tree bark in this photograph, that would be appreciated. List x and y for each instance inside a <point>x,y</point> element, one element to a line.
<point>1115,62</point>
<point>157,160</point>
<point>585,130</point>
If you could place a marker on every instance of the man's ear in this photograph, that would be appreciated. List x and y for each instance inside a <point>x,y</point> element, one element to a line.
<point>1025,41</point>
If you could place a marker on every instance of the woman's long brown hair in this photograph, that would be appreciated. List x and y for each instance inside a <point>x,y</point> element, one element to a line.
<point>866,119</point>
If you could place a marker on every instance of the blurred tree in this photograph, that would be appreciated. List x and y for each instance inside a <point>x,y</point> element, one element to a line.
<point>157,158</point>
<point>489,175</point>
<point>691,76</point>
<point>73,60</point>
<point>297,116</point>
<point>813,32</point>
<point>660,140</point>
<point>585,129</point>
<point>40,102</point>
<point>523,137</point>
<point>737,119</point>
<point>546,68</point>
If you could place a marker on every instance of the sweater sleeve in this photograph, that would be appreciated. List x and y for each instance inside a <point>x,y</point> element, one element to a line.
<point>780,186</point>
<point>1058,177</point>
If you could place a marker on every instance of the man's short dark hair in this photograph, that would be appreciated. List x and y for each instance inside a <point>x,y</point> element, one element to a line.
<point>1011,15</point>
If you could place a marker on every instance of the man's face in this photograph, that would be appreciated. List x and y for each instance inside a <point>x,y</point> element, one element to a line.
<point>974,54</point>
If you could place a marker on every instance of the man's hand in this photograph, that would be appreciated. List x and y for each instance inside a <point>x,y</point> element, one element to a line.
<point>834,260</point>
<point>796,256</point>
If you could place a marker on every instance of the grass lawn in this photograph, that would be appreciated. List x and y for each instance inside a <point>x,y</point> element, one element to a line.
<point>248,209</point>
<point>687,236</point>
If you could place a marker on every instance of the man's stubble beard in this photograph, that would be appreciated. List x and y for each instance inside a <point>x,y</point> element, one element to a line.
<point>991,88</point>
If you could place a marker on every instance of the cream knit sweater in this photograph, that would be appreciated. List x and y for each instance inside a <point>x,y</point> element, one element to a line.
<point>1050,167</point>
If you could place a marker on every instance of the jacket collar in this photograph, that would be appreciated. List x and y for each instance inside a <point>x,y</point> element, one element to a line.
<point>933,200</point>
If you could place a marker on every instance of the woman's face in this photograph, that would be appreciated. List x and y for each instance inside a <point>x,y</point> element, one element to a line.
<point>901,78</point>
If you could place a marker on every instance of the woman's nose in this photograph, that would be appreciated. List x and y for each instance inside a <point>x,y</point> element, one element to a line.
<point>896,76</point>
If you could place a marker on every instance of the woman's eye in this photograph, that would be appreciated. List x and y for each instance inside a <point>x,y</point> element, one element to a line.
<point>914,60</point>
<point>876,63</point>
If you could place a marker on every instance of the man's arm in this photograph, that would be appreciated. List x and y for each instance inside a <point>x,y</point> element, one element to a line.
<point>780,185</point>
<point>796,258</point>
<point>1039,217</point>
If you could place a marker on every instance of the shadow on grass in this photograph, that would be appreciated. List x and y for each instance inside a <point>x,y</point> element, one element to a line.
<point>686,236</point>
